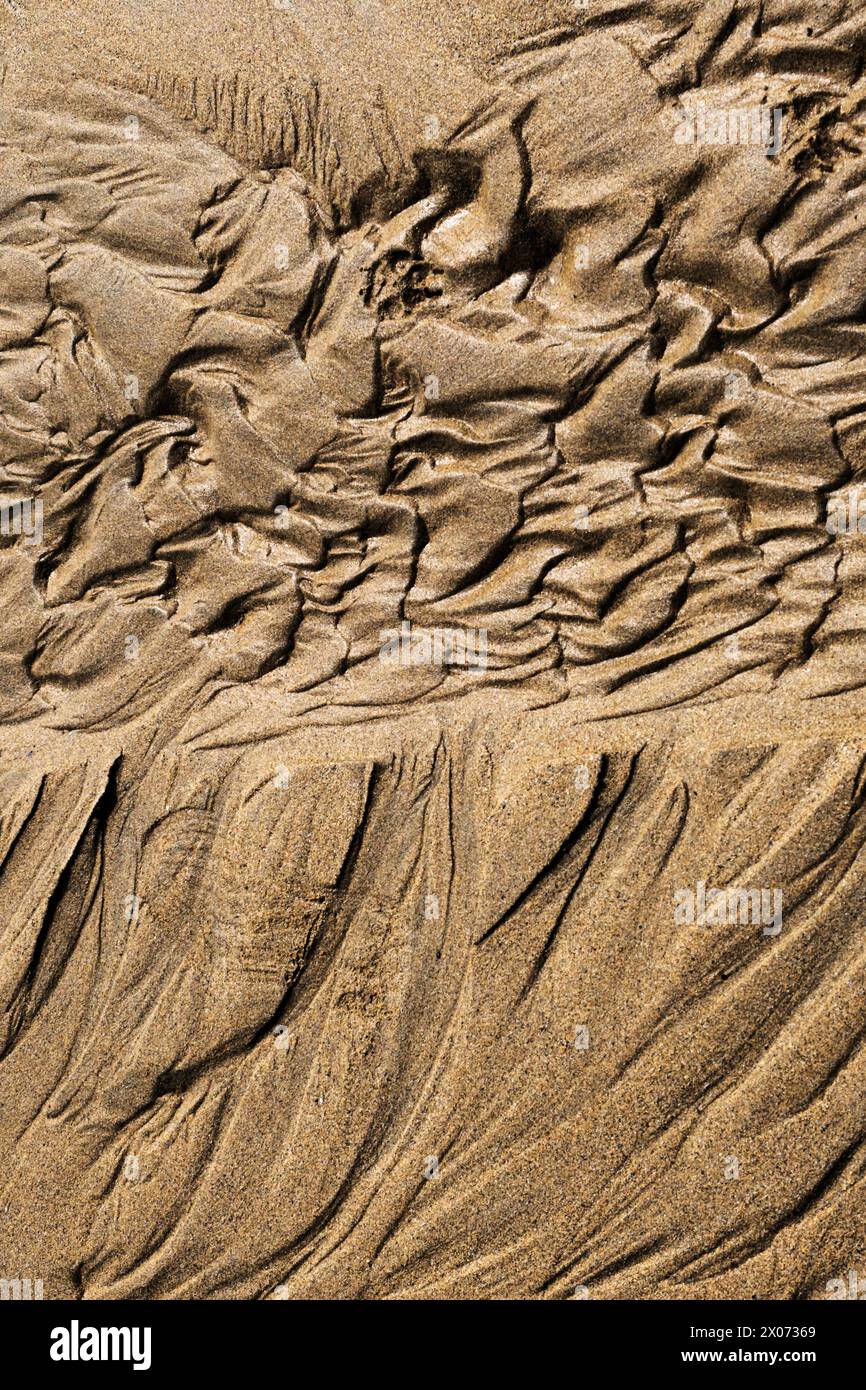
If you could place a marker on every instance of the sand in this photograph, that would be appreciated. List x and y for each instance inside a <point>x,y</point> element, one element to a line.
<point>432,723</point>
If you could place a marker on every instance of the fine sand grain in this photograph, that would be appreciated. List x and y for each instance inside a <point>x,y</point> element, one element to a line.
<point>433,648</point>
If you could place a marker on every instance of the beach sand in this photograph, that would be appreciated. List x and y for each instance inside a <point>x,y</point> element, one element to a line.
<point>432,724</point>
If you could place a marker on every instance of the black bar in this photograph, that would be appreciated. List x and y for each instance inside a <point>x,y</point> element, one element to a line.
<point>821,1337</point>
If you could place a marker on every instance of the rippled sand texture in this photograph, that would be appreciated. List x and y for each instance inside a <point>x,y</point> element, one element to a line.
<point>430,462</point>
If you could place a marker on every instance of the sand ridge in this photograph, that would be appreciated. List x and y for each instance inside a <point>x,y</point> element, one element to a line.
<point>431,718</point>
